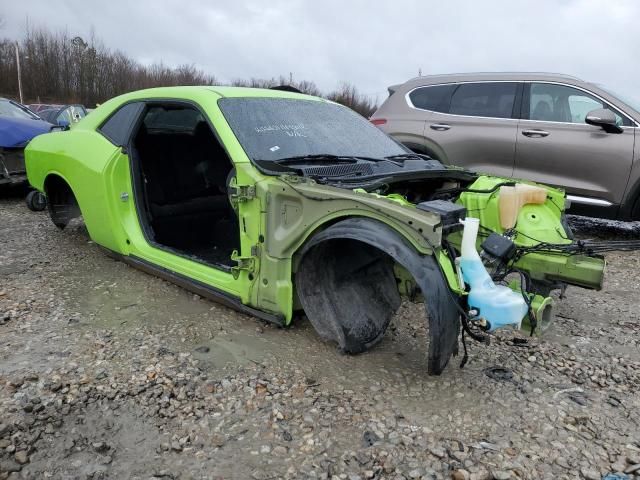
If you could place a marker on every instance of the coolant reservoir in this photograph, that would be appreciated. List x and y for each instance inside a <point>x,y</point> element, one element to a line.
<point>498,305</point>
<point>512,199</point>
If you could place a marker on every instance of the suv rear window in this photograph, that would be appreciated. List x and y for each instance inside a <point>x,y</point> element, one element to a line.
<point>484,99</point>
<point>436,98</point>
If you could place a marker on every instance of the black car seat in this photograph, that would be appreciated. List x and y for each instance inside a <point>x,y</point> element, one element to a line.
<point>177,180</point>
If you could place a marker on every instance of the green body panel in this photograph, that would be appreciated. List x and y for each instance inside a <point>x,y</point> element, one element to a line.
<point>541,307</point>
<point>542,222</point>
<point>296,208</point>
<point>276,214</point>
<point>282,214</point>
<point>99,173</point>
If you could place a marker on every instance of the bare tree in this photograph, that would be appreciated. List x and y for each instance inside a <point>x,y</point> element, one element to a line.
<point>349,96</point>
<point>59,67</point>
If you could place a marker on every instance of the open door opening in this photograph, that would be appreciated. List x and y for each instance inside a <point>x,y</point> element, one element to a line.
<point>181,172</point>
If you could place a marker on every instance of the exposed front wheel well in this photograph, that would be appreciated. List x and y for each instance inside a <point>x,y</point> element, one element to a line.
<point>348,291</point>
<point>346,284</point>
<point>61,201</point>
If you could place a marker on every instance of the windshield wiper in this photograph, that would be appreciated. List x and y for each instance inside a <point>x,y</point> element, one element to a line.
<point>326,156</point>
<point>404,156</point>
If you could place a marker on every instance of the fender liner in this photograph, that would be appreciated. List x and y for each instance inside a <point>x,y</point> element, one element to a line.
<point>61,200</point>
<point>318,293</point>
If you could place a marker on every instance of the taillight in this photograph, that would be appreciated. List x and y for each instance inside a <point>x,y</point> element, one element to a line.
<point>378,121</point>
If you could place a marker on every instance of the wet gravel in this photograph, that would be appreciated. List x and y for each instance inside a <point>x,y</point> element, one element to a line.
<point>106,372</point>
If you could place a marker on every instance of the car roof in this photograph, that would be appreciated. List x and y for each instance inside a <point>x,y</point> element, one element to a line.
<point>222,91</point>
<point>188,93</point>
<point>489,76</point>
<point>427,80</point>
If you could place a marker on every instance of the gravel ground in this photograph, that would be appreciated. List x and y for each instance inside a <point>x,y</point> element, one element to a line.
<point>107,372</point>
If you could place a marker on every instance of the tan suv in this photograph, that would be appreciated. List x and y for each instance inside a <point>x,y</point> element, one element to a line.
<point>550,128</point>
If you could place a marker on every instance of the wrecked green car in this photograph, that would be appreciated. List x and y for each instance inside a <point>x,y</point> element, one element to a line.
<point>277,203</point>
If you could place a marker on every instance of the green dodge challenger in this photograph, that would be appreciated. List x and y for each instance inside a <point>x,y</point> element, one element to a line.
<point>277,203</point>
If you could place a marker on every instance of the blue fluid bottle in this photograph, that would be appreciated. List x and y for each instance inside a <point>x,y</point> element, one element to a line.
<point>498,305</point>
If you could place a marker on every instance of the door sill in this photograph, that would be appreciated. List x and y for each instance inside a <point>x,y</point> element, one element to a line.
<point>197,287</point>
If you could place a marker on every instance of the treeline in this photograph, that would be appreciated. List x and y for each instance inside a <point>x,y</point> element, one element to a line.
<point>59,68</point>
<point>346,93</point>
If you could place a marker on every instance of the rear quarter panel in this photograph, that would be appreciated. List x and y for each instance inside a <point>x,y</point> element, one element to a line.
<point>80,157</point>
<point>403,123</point>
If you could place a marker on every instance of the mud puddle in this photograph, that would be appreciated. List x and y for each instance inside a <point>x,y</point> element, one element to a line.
<point>122,300</point>
<point>112,296</point>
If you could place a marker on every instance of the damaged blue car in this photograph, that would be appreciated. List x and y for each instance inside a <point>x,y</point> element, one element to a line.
<point>18,125</point>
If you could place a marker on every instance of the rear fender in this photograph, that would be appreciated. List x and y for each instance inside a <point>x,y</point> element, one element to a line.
<point>346,305</point>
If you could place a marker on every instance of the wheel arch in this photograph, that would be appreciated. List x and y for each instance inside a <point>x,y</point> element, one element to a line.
<point>630,208</point>
<point>62,201</point>
<point>316,297</point>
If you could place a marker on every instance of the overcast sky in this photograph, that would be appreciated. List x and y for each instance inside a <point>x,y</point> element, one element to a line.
<point>371,44</point>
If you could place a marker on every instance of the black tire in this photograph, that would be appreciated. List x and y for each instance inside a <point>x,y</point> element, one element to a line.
<point>635,211</point>
<point>36,201</point>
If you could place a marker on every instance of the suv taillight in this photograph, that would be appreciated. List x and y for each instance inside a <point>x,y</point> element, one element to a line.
<point>378,121</point>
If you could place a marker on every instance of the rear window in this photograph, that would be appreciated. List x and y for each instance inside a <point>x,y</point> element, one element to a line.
<point>172,118</point>
<point>484,99</point>
<point>436,98</point>
<point>118,126</point>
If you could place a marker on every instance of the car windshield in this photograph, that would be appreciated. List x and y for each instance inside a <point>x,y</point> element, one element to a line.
<point>631,98</point>
<point>10,109</point>
<point>275,129</point>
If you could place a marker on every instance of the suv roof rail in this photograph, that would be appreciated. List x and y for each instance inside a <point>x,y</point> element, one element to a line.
<point>471,74</point>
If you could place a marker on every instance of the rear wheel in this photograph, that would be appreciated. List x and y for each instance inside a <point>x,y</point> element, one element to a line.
<point>635,211</point>
<point>36,201</point>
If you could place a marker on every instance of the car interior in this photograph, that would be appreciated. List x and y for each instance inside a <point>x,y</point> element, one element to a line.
<point>183,183</point>
<point>549,109</point>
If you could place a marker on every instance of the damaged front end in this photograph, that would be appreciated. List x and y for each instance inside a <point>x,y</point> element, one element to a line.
<point>12,168</point>
<point>350,277</point>
<point>526,244</point>
<point>521,244</point>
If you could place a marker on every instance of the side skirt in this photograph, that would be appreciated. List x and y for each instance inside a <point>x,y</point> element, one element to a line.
<point>197,287</point>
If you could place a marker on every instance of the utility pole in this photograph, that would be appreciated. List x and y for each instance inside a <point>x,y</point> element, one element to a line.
<point>19,72</point>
